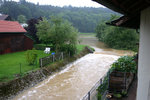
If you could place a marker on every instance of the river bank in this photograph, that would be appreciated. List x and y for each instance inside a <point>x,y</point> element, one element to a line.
<point>14,87</point>
<point>73,82</point>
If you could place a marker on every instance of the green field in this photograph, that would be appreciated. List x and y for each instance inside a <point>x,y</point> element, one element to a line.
<point>87,34</point>
<point>10,64</point>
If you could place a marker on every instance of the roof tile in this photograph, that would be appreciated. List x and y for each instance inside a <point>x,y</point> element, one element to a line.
<point>11,27</point>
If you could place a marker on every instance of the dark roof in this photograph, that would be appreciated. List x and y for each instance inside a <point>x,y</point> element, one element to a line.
<point>128,22</point>
<point>3,17</point>
<point>11,27</point>
<point>130,8</point>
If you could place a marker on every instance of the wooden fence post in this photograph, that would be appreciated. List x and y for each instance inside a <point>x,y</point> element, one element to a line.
<point>20,70</point>
<point>53,58</point>
<point>62,55</point>
<point>69,53</point>
<point>41,62</point>
<point>101,81</point>
<point>89,95</point>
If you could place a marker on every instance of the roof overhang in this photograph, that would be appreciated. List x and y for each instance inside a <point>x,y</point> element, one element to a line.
<point>128,22</point>
<point>130,8</point>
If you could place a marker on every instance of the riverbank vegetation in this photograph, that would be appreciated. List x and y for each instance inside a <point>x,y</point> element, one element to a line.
<point>11,63</point>
<point>59,33</point>
<point>117,37</point>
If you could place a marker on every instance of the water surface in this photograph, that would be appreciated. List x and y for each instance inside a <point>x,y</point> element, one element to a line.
<point>77,78</point>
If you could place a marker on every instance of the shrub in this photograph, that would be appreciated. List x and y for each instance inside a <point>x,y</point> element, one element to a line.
<point>31,56</point>
<point>117,37</point>
<point>42,46</point>
<point>102,88</point>
<point>125,64</point>
<point>68,48</point>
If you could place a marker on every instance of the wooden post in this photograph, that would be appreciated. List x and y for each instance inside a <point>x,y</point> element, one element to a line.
<point>108,78</point>
<point>101,81</point>
<point>69,53</point>
<point>41,61</point>
<point>20,70</point>
<point>89,95</point>
<point>62,55</point>
<point>53,58</point>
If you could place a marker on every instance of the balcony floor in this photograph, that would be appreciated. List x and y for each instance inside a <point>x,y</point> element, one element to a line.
<point>131,93</point>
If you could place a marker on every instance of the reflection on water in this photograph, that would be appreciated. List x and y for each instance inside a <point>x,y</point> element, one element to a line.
<point>78,78</point>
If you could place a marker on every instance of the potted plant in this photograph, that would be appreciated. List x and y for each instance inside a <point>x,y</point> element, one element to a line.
<point>122,73</point>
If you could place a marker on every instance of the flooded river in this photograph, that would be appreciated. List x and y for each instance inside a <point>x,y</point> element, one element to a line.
<point>77,78</point>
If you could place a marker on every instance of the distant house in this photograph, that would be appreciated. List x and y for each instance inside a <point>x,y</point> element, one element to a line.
<point>12,38</point>
<point>5,17</point>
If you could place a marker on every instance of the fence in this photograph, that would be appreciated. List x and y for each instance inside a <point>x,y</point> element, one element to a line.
<point>92,94</point>
<point>52,58</point>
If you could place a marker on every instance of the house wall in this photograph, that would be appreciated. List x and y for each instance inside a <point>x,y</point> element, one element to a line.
<point>14,42</point>
<point>143,90</point>
<point>28,43</point>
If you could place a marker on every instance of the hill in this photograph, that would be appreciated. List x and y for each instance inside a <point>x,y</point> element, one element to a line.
<point>84,19</point>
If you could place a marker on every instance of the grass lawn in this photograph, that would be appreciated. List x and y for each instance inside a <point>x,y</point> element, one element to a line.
<point>80,47</point>
<point>87,34</point>
<point>10,64</point>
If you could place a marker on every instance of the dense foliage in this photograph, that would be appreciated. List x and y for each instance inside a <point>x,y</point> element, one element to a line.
<point>125,64</point>
<point>102,88</point>
<point>117,37</point>
<point>21,19</point>
<point>58,32</point>
<point>31,29</point>
<point>31,56</point>
<point>84,19</point>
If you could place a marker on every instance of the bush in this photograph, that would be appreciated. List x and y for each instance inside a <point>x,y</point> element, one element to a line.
<point>121,38</point>
<point>125,64</point>
<point>31,56</point>
<point>117,37</point>
<point>68,48</point>
<point>42,46</point>
<point>102,88</point>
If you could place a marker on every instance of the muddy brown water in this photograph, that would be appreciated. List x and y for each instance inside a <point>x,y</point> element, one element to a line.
<point>77,78</point>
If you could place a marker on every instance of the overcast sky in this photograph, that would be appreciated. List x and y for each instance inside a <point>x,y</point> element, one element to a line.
<point>75,3</point>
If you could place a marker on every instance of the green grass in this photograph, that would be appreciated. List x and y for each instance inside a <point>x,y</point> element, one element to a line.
<point>80,48</point>
<point>10,64</point>
<point>87,34</point>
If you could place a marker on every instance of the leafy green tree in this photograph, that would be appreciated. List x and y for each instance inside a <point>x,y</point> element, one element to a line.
<point>1,2</point>
<point>43,31</point>
<point>84,19</point>
<point>22,19</point>
<point>117,37</point>
<point>58,32</point>
<point>121,38</point>
<point>100,30</point>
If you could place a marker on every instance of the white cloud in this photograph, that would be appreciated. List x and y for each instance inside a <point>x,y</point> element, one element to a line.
<point>76,3</point>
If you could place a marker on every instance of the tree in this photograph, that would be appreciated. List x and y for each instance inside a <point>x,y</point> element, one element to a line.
<point>117,37</point>
<point>43,31</point>
<point>22,19</point>
<point>100,29</point>
<point>1,2</point>
<point>32,30</point>
<point>84,19</point>
<point>58,32</point>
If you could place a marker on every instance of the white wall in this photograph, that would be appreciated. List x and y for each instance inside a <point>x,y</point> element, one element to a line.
<point>144,57</point>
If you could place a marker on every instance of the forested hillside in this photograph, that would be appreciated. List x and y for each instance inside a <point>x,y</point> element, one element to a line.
<point>84,19</point>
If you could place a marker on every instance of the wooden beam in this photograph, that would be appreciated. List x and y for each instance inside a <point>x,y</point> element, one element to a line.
<point>110,5</point>
<point>138,2</point>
